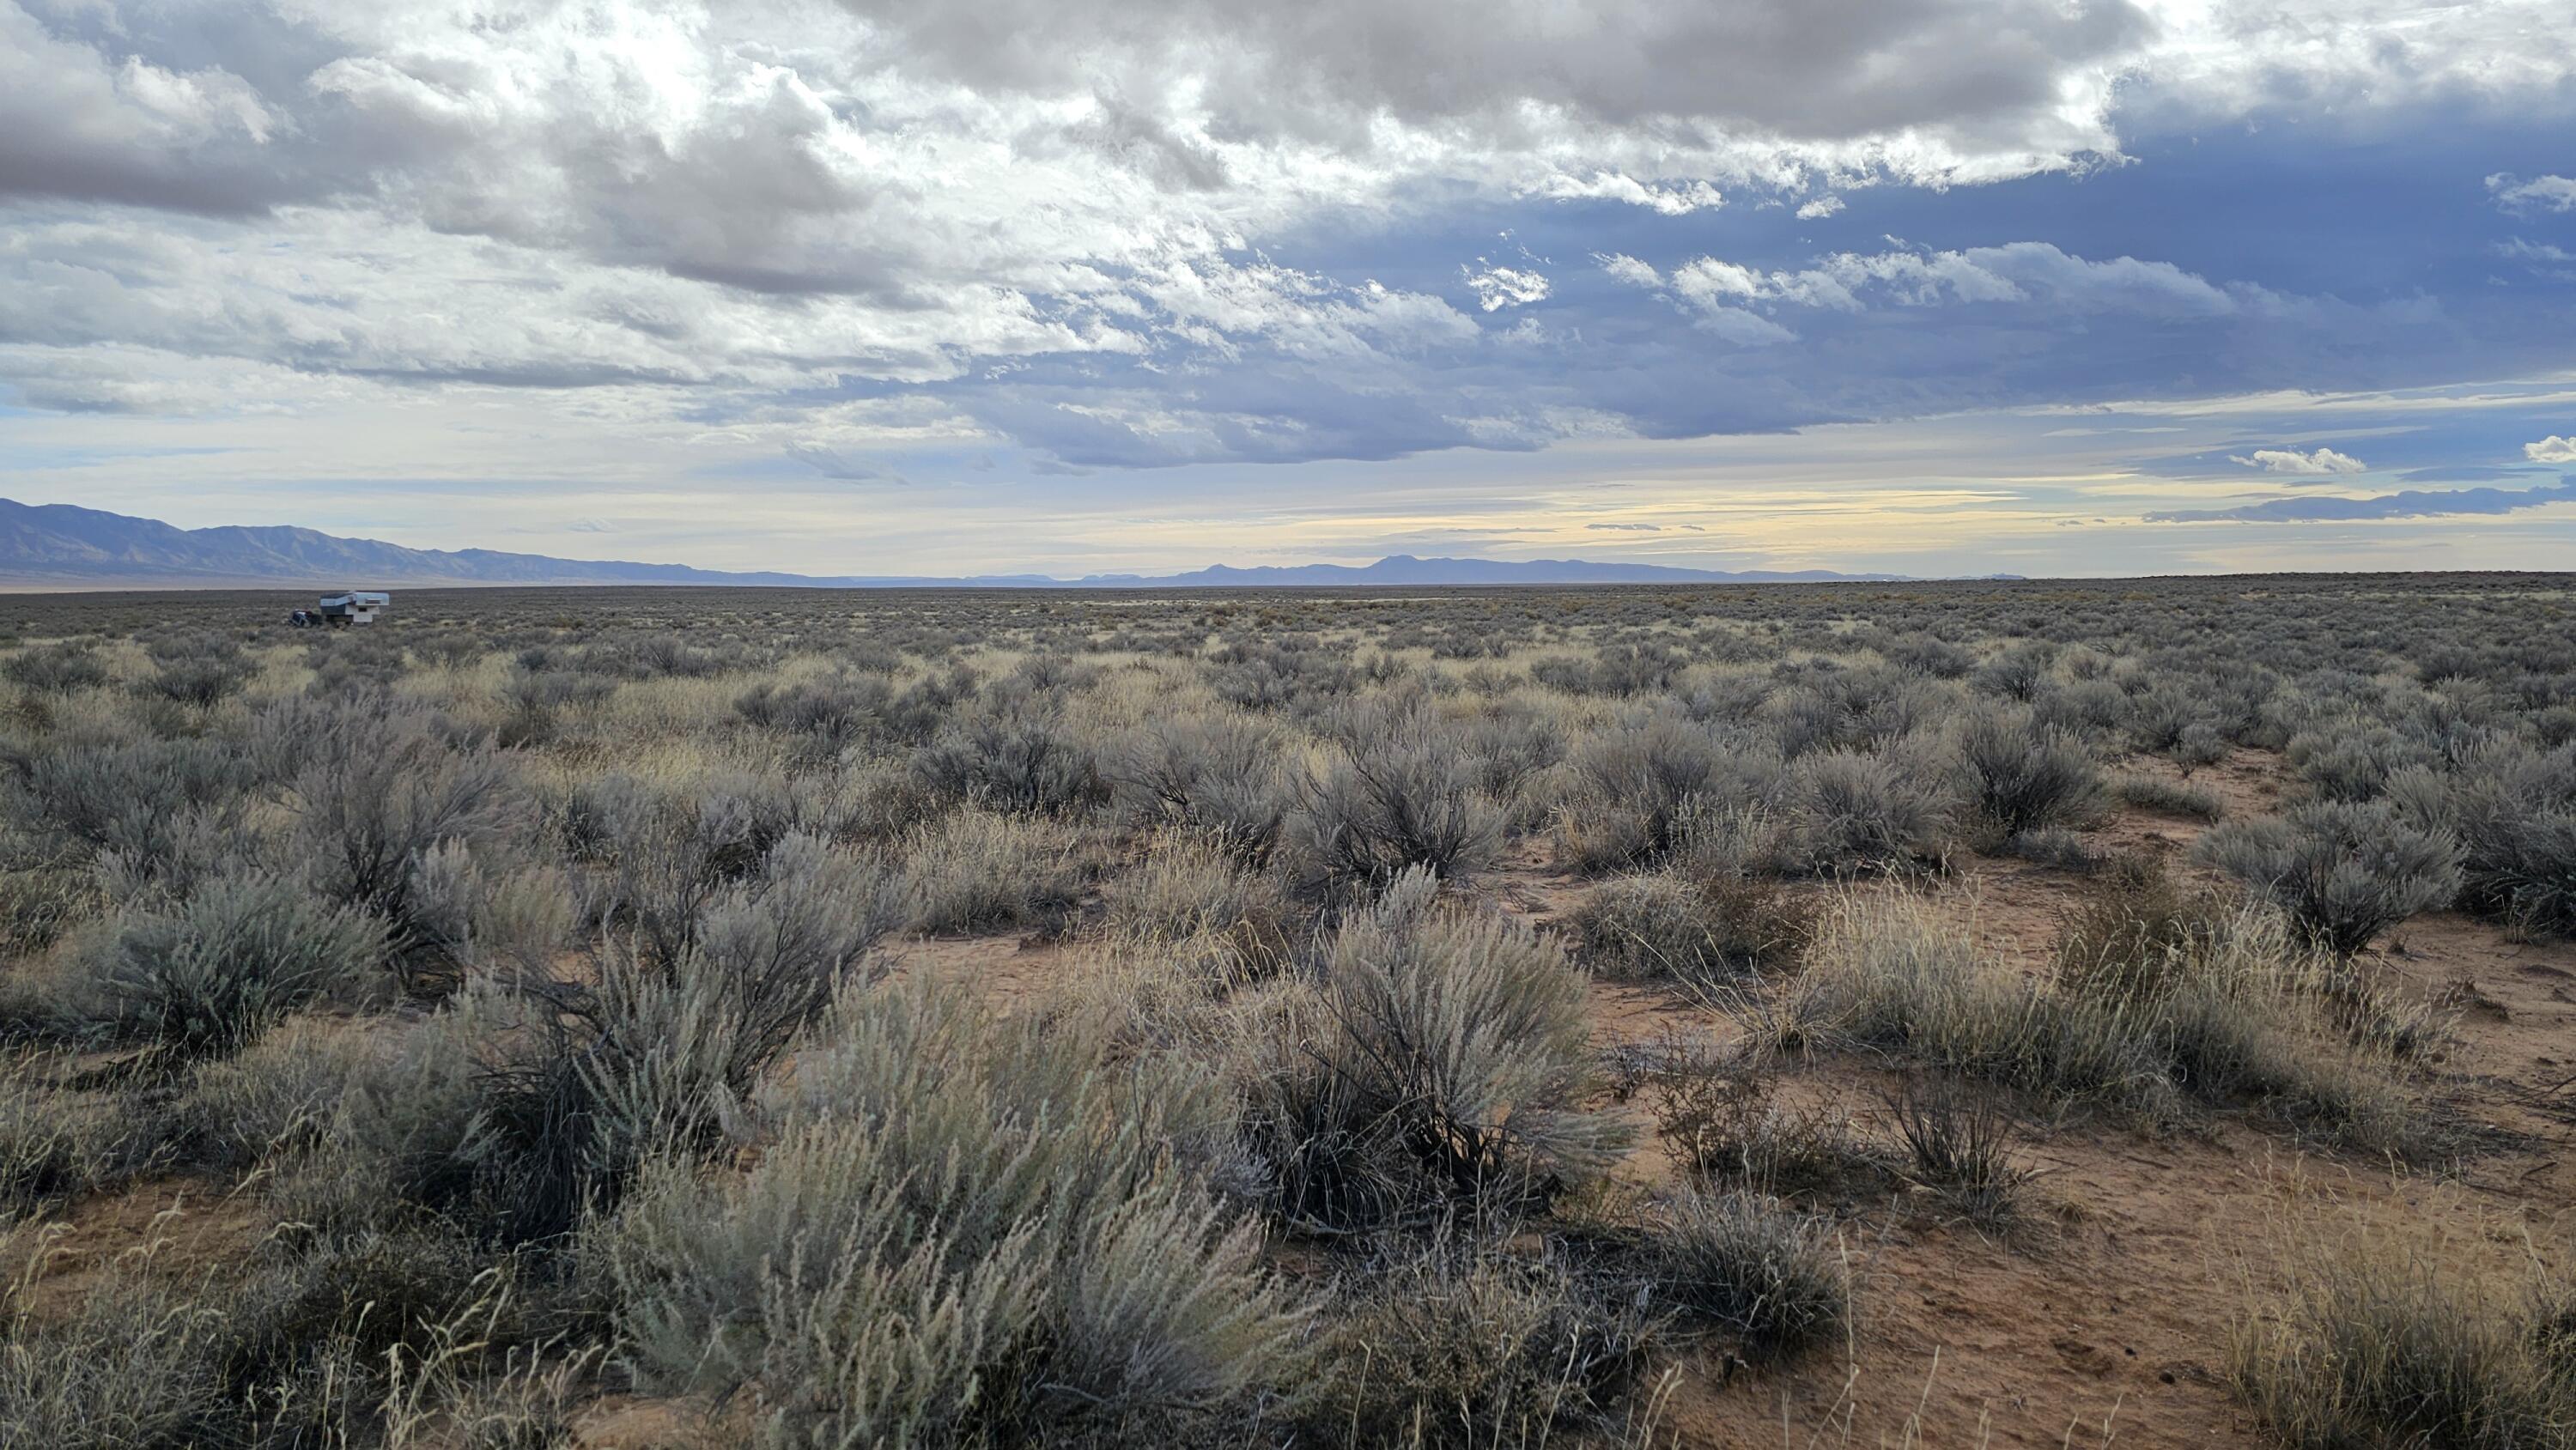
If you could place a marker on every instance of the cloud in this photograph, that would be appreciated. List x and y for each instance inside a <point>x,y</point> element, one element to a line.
<point>2322,462</point>
<point>832,463</point>
<point>2031,272</point>
<point>2409,504</point>
<point>2552,449</point>
<point>2539,194</point>
<point>1500,287</point>
<point>1821,207</point>
<point>1664,199</point>
<point>1628,271</point>
<point>1645,528</point>
<point>1101,236</point>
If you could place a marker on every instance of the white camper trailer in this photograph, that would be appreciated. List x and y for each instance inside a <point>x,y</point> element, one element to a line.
<point>348,607</point>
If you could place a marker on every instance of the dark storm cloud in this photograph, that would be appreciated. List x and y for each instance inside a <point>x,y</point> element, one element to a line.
<point>1810,68</point>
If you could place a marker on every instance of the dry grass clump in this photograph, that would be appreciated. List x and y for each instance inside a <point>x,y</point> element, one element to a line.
<point>1461,1345</point>
<point>2157,1015</point>
<point>1194,898</point>
<point>278,1096</point>
<point>2169,797</point>
<point>1772,1278</point>
<point>1665,926</point>
<point>1961,1142</point>
<point>53,1147</point>
<point>2374,1343</point>
<point>974,870</point>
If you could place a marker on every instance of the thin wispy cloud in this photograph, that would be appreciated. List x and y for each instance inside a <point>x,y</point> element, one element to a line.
<point>2409,504</point>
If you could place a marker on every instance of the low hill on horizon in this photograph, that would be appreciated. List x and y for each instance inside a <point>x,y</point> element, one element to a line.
<point>64,546</point>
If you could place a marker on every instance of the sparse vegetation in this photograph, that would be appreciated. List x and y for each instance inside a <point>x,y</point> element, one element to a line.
<point>2372,1342</point>
<point>1489,1019</point>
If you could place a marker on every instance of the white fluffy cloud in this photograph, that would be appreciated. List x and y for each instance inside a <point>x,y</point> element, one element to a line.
<point>1499,287</point>
<point>2552,449</point>
<point>2323,462</point>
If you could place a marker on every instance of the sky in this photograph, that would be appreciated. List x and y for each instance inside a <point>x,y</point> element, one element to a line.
<point>2049,287</point>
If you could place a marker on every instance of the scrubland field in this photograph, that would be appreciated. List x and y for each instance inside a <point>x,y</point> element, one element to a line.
<point>1942,1015</point>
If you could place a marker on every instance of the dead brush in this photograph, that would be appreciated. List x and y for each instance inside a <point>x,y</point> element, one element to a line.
<point>1961,1143</point>
<point>1720,1122</point>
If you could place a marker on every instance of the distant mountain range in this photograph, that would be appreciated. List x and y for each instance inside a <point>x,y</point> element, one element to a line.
<point>61,546</point>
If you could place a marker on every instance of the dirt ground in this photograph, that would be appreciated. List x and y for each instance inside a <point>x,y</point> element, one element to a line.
<point>2104,1321</point>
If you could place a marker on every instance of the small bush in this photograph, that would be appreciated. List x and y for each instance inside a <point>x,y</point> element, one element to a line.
<point>56,669</point>
<point>522,1105</point>
<point>2352,759</point>
<point>137,800</point>
<point>1463,1347</point>
<point>206,976</point>
<point>204,674</point>
<point>1013,761</point>
<point>1448,1067</point>
<point>1771,1278</point>
<point>1639,784</point>
<point>2345,872</point>
<point>1405,801</point>
<point>374,789</point>
<point>963,1234</point>
<point>1855,812</point>
<point>2020,672</point>
<point>2514,811</point>
<point>1218,773</point>
<point>828,715</point>
<point>2023,778</point>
